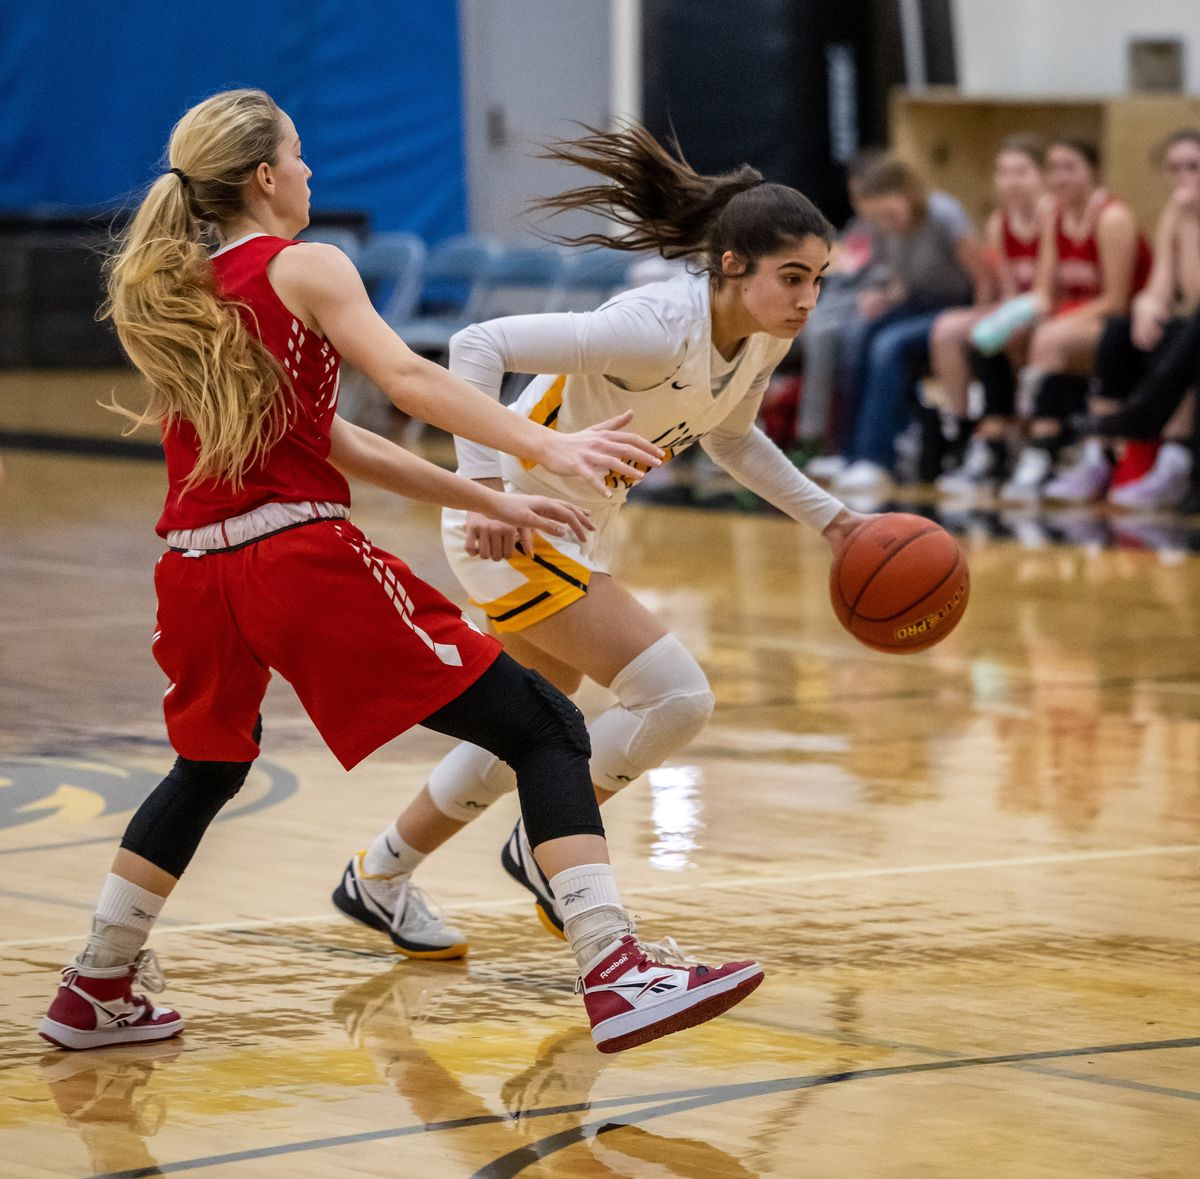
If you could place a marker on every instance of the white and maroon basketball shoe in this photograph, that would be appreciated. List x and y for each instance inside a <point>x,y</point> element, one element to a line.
<point>95,1006</point>
<point>633,994</point>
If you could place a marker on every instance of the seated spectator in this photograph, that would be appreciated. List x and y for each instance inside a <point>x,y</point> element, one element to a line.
<point>1091,260</point>
<point>1149,357</point>
<point>829,335</point>
<point>925,258</point>
<point>1011,236</point>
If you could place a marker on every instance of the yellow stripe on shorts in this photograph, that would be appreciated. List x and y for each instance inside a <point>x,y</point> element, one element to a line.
<point>552,581</point>
<point>545,413</point>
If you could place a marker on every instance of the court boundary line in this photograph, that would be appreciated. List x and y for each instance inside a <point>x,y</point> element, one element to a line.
<point>513,1163</point>
<point>669,1102</point>
<point>466,906</point>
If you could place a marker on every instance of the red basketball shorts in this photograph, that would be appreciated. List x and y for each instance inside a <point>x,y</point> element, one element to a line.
<point>370,649</point>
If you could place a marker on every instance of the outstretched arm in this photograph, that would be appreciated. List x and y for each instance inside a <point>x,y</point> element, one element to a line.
<point>363,455</point>
<point>742,449</point>
<point>319,283</point>
<point>624,340</point>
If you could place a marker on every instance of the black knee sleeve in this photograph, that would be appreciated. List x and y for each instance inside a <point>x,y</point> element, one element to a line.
<point>1119,363</point>
<point>168,826</point>
<point>529,724</point>
<point>1060,396</point>
<point>995,374</point>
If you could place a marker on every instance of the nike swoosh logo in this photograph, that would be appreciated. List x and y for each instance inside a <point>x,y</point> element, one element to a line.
<point>677,385</point>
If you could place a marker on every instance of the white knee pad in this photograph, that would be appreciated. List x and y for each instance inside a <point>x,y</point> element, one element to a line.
<point>467,781</point>
<point>664,702</point>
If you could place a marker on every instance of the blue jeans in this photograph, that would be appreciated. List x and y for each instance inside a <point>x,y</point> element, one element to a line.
<point>891,352</point>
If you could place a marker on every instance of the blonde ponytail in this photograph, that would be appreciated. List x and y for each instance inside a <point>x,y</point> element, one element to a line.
<point>201,362</point>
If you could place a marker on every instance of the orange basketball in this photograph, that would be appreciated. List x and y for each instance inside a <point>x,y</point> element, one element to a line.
<point>900,583</point>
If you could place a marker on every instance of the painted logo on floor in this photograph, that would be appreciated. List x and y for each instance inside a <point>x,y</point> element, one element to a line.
<point>78,791</point>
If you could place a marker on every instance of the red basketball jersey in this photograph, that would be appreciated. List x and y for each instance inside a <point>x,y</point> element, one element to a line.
<point>1020,254</point>
<point>297,468</point>
<point>1077,278</point>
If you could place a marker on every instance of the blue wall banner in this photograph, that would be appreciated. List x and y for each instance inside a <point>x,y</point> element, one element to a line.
<point>90,93</point>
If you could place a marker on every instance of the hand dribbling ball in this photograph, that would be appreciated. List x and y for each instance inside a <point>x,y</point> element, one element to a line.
<point>899,583</point>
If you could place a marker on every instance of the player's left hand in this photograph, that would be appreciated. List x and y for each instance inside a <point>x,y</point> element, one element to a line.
<point>530,513</point>
<point>838,530</point>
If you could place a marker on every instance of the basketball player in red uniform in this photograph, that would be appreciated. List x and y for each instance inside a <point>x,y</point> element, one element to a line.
<point>1092,259</point>
<point>1012,235</point>
<point>264,571</point>
<point>1149,356</point>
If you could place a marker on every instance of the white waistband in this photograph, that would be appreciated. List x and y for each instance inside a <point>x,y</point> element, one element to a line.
<point>228,534</point>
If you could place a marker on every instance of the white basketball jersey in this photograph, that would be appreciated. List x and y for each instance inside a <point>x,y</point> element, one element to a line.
<point>694,398</point>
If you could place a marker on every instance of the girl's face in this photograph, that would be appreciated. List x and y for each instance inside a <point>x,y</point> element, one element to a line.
<point>783,289</point>
<point>1182,166</point>
<point>1018,180</point>
<point>889,212</point>
<point>289,173</point>
<point>1069,176</point>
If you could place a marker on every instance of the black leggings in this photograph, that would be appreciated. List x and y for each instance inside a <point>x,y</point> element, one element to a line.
<point>1174,370</point>
<point>528,723</point>
<point>1121,365</point>
<point>509,711</point>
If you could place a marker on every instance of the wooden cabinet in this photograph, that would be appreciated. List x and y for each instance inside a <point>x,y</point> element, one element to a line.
<point>953,137</point>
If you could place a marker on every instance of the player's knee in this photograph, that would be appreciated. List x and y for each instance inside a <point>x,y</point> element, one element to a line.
<point>1048,347</point>
<point>167,828</point>
<point>467,781</point>
<point>672,723</point>
<point>665,702</point>
<point>950,328</point>
<point>214,781</point>
<point>555,719</point>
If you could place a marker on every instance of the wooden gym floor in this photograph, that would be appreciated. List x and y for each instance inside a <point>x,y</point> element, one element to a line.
<point>972,876</point>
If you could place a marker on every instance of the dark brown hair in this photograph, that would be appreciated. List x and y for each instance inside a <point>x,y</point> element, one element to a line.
<point>1029,146</point>
<point>1081,147</point>
<point>667,207</point>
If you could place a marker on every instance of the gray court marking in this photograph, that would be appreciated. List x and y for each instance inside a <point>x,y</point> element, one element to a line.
<point>678,1101</point>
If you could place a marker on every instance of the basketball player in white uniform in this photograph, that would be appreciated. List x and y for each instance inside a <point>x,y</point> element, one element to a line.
<point>691,357</point>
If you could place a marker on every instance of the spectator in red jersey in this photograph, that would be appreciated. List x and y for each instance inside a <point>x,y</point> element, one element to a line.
<point>1012,235</point>
<point>1149,356</point>
<point>1092,259</point>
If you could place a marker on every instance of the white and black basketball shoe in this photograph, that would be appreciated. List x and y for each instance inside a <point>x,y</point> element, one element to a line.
<point>518,861</point>
<point>397,907</point>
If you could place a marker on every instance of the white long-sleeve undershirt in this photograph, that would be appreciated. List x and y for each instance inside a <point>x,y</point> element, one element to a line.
<point>632,346</point>
<point>761,467</point>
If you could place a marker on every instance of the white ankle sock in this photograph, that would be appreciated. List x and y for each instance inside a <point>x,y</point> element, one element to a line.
<point>125,914</point>
<point>590,906</point>
<point>389,855</point>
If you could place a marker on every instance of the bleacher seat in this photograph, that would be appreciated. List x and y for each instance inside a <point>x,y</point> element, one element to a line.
<point>346,240</point>
<point>592,277</point>
<point>452,291</point>
<point>392,266</point>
